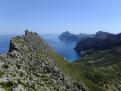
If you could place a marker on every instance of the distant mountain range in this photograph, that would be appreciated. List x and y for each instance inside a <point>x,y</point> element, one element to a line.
<point>67,36</point>
<point>100,41</point>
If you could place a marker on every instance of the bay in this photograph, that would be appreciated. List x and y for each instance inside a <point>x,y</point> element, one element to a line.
<point>65,49</point>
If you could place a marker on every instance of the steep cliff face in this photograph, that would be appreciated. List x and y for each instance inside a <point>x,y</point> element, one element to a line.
<point>32,65</point>
<point>101,61</point>
<point>101,41</point>
<point>67,36</point>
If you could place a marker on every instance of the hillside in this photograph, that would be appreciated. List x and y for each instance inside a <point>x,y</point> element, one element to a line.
<point>101,61</point>
<point>32,65</point>
<point>102,69</point>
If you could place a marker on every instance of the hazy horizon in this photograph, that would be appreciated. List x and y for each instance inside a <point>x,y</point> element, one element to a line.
<point>57,16</point>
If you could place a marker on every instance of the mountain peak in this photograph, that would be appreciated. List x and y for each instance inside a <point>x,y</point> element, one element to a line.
<point>67,36</point>
<point>32,65</point>
<point>101,34</point>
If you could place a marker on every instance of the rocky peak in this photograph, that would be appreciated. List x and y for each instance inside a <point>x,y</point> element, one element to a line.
<point>100,32</point>
<point>27,32</point>
<point>66,32</point>
<point>32,38</point>
<point>67,36</point>
<point>32,65</point>
<point>103,35</point>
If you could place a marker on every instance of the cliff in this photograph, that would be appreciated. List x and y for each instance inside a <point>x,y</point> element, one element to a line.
<point>101,69</point>
<point>67,36</point>
<point>100,64</point>
<point>101,41</point>
<point>32,65</point>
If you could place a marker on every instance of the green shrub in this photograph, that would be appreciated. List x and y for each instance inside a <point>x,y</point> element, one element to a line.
<point>1,73</point>
<point>5,66</point>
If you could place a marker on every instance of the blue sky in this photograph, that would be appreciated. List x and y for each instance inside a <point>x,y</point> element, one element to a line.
<point>56,16</point>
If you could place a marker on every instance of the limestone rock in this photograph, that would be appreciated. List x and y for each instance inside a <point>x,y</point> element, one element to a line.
<point>30,65</point>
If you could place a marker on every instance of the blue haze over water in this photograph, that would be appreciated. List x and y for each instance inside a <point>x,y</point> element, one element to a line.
<point>65,49</point>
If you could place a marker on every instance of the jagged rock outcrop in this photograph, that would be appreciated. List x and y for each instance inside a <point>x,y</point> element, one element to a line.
<point>31,65</point>
<point>101,41</point>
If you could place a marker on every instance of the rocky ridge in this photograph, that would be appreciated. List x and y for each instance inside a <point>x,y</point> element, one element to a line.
<point>101,41</point>
<point>30,65</point>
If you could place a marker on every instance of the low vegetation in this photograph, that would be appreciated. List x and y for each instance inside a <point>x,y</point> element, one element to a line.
<point>35,66</point>
<point>102,69</point>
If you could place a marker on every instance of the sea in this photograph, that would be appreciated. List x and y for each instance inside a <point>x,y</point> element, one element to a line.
<point>65,49</point>
<point>4,43</point>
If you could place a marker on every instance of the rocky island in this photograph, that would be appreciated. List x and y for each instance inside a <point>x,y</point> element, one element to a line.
<point>32,65</point>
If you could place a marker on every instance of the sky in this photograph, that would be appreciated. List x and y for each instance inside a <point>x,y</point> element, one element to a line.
<point>57,16</point>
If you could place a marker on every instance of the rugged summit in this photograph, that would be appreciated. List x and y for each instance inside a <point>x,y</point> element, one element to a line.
<point>32,65</point>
